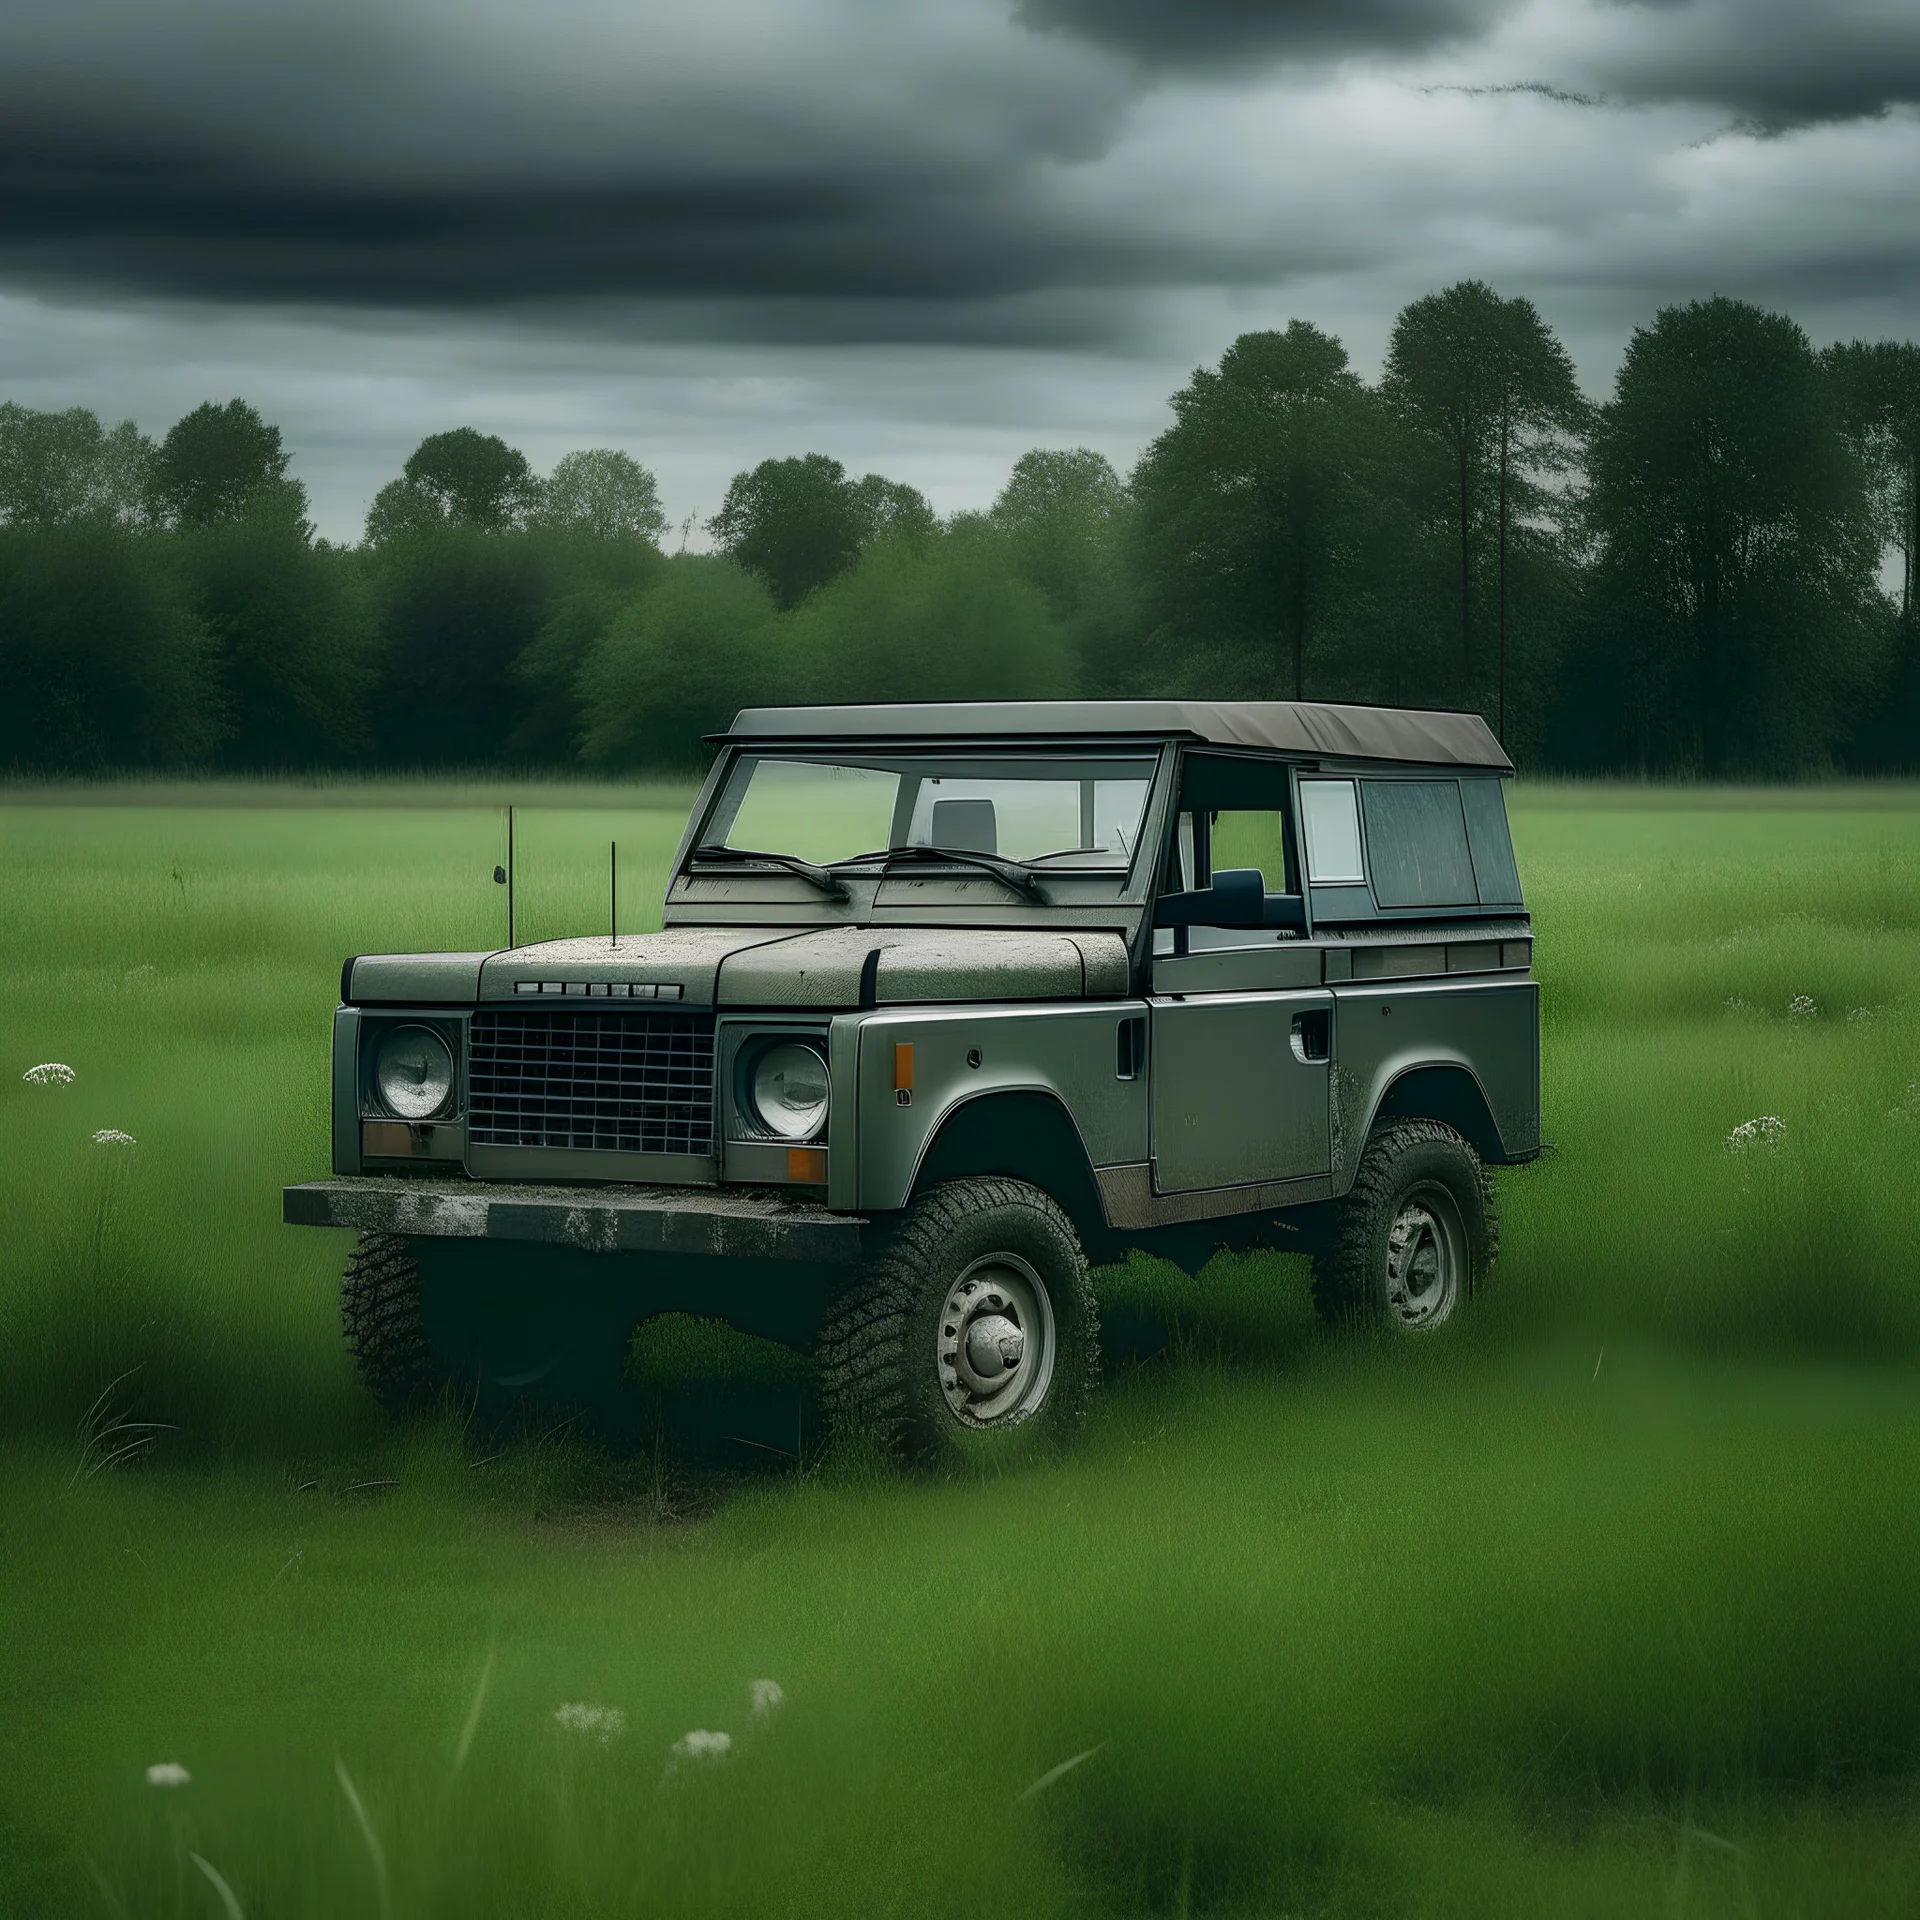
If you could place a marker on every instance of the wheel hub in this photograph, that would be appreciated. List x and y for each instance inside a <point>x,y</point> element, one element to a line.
<point>994,1342</point>
<point>994,1345</point>
<point>1423,1265</point>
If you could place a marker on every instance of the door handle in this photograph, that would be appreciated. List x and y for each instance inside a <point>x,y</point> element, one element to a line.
<point>1313,1037</point>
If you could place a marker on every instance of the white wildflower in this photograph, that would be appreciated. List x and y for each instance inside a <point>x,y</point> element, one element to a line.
<point>49,1073</point>
<point>1801,1007</point>
<point>1765,1130</point>
<point>1861,1013</point>
<point>113,1137</point>
<point>1737,1005</point>
<point>605,1724</point>
<point>1909,1107</point>
<point>169,1773</point>
<point>703,1745</point>
<point>769,1696</point>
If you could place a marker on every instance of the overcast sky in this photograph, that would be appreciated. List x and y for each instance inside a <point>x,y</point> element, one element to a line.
<point>919,235</point>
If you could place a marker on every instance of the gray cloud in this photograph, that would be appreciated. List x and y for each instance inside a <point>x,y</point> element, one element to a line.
<point>760,169</point>
<point>1209,35</point>
<point>916,234</point>
<point>711,155</point>
<point>1776,63</point>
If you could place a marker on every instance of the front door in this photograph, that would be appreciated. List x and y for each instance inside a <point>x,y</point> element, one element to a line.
<point>1240,1093</point>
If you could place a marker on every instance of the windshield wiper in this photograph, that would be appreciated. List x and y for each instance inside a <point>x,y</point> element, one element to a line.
<point>1011,873</point>
<point>829,883</point>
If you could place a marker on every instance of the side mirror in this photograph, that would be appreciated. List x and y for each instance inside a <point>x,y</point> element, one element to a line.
<point>1237,898</point>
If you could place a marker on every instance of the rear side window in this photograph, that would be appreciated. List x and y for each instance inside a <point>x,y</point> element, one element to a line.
<point>1330,825</point>
<point>1417,843</point>
<point>1491,842</point>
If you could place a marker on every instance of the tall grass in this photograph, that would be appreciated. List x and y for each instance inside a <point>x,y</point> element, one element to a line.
<point>1603,1608</point>
<point>1702,967</point>
<point>183,960</point>
<point>1313,1640</point>
<point>185,963</point>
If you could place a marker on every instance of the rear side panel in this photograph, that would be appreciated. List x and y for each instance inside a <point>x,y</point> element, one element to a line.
<point>1380,1032</point>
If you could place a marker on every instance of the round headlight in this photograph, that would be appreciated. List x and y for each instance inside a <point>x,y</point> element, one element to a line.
<point>414,1072</point>
<point>790,1090</point>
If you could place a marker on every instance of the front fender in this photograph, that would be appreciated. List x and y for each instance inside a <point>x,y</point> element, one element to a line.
<point>962,1054</point>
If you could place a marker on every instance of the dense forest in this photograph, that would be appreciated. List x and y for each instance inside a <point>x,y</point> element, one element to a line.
<point>1691,577</point>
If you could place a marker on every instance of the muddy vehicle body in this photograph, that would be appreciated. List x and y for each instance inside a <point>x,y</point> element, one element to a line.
<point>949,1004</point>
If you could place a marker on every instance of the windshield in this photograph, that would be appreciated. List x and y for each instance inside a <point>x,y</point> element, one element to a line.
<point>1078,813</point>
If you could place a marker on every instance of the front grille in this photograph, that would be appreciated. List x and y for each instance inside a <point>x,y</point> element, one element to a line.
<point>606,1082</point>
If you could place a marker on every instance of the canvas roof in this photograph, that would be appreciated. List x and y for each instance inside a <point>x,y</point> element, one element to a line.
<point>1276,726</point>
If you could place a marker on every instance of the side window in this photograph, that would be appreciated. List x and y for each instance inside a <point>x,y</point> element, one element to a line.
<point>1238,806</point>
<point>1330,826</point>
<point>1491,842</point>
<point>1417,843</point>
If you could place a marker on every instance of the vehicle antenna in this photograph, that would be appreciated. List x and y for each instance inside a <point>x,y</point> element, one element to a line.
<point>613,893</point>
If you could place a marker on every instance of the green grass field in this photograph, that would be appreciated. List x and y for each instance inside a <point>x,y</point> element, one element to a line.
<point>1604,1607</point>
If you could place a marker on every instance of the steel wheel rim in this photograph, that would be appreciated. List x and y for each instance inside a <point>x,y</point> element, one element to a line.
<point>1426,1259</point>
<point>994,1342</point>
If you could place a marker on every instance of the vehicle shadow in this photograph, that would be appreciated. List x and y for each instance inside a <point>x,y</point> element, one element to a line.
<point>1240,1309</point>
<point>656,1376</point>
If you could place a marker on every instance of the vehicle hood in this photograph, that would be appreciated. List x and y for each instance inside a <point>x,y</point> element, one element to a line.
<point>832,967</point>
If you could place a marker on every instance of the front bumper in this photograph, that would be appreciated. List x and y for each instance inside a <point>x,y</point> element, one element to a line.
<point>632,1219</point>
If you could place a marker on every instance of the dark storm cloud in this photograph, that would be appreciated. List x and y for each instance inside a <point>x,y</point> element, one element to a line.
<point>1211,34</point>
<point>834,170</point>
<point>1776,63</point>
<point>922,235</point>
<point>236,224</point>
<point>450,155</point>
<point>806,253</point>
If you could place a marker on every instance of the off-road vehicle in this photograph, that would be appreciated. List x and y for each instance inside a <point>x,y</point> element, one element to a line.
<point>949,1004</point>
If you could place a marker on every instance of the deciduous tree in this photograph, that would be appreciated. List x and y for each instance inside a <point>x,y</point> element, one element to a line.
<point>1489,390</point>
<point>1737,544</point>
<point>798,523</point>
<point>222,463</point>
<point>463,478</point>
<point>101,658</point>
<point>290,641</point>
<point>58,467</point>
<point>679,664</point>
<point>933,618</point>
<point>603,493</point>
<point>1061,512</point>
<point>1247,506</point>
<point>1878,390</point>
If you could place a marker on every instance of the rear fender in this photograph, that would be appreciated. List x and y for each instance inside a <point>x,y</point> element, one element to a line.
<point>1451,1094</point>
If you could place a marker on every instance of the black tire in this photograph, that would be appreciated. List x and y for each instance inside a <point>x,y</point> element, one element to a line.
<point>898,1359</point>
<point>1421,1201</point>
<point>380,1310</point>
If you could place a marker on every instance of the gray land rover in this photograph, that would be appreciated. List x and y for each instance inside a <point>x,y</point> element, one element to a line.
<point>950,1004</point>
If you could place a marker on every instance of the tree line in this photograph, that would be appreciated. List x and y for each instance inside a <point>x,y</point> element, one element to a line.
<point>1710,572</point>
